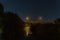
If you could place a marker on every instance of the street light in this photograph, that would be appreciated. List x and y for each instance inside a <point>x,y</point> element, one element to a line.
<point>39,18</point>
<point>27,18</point>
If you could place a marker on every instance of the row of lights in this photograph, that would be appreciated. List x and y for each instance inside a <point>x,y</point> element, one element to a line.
<point>27,18</point>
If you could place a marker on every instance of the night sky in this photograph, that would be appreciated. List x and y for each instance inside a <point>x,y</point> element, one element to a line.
<point>49,9</point>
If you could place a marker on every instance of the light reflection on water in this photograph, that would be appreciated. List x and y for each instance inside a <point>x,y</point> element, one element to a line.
<point>27,30</point>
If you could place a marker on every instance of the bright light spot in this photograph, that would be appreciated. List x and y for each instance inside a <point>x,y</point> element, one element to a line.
<point>27,30</point>
<point>27,18</point>
<point>40,18</point>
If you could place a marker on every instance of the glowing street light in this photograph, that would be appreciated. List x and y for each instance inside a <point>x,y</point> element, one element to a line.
<point>40,18</point>
<point>27,18</point>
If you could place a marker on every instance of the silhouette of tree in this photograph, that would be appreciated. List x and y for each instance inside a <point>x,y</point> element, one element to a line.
<point>1,9</point>
<point>44,31</point>
<point>57,21</point>
<point>1,22</point>
<point>13,26</point>
<point>1,14</point>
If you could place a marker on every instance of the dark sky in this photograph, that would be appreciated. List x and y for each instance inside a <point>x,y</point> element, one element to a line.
<point>49,9</point>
